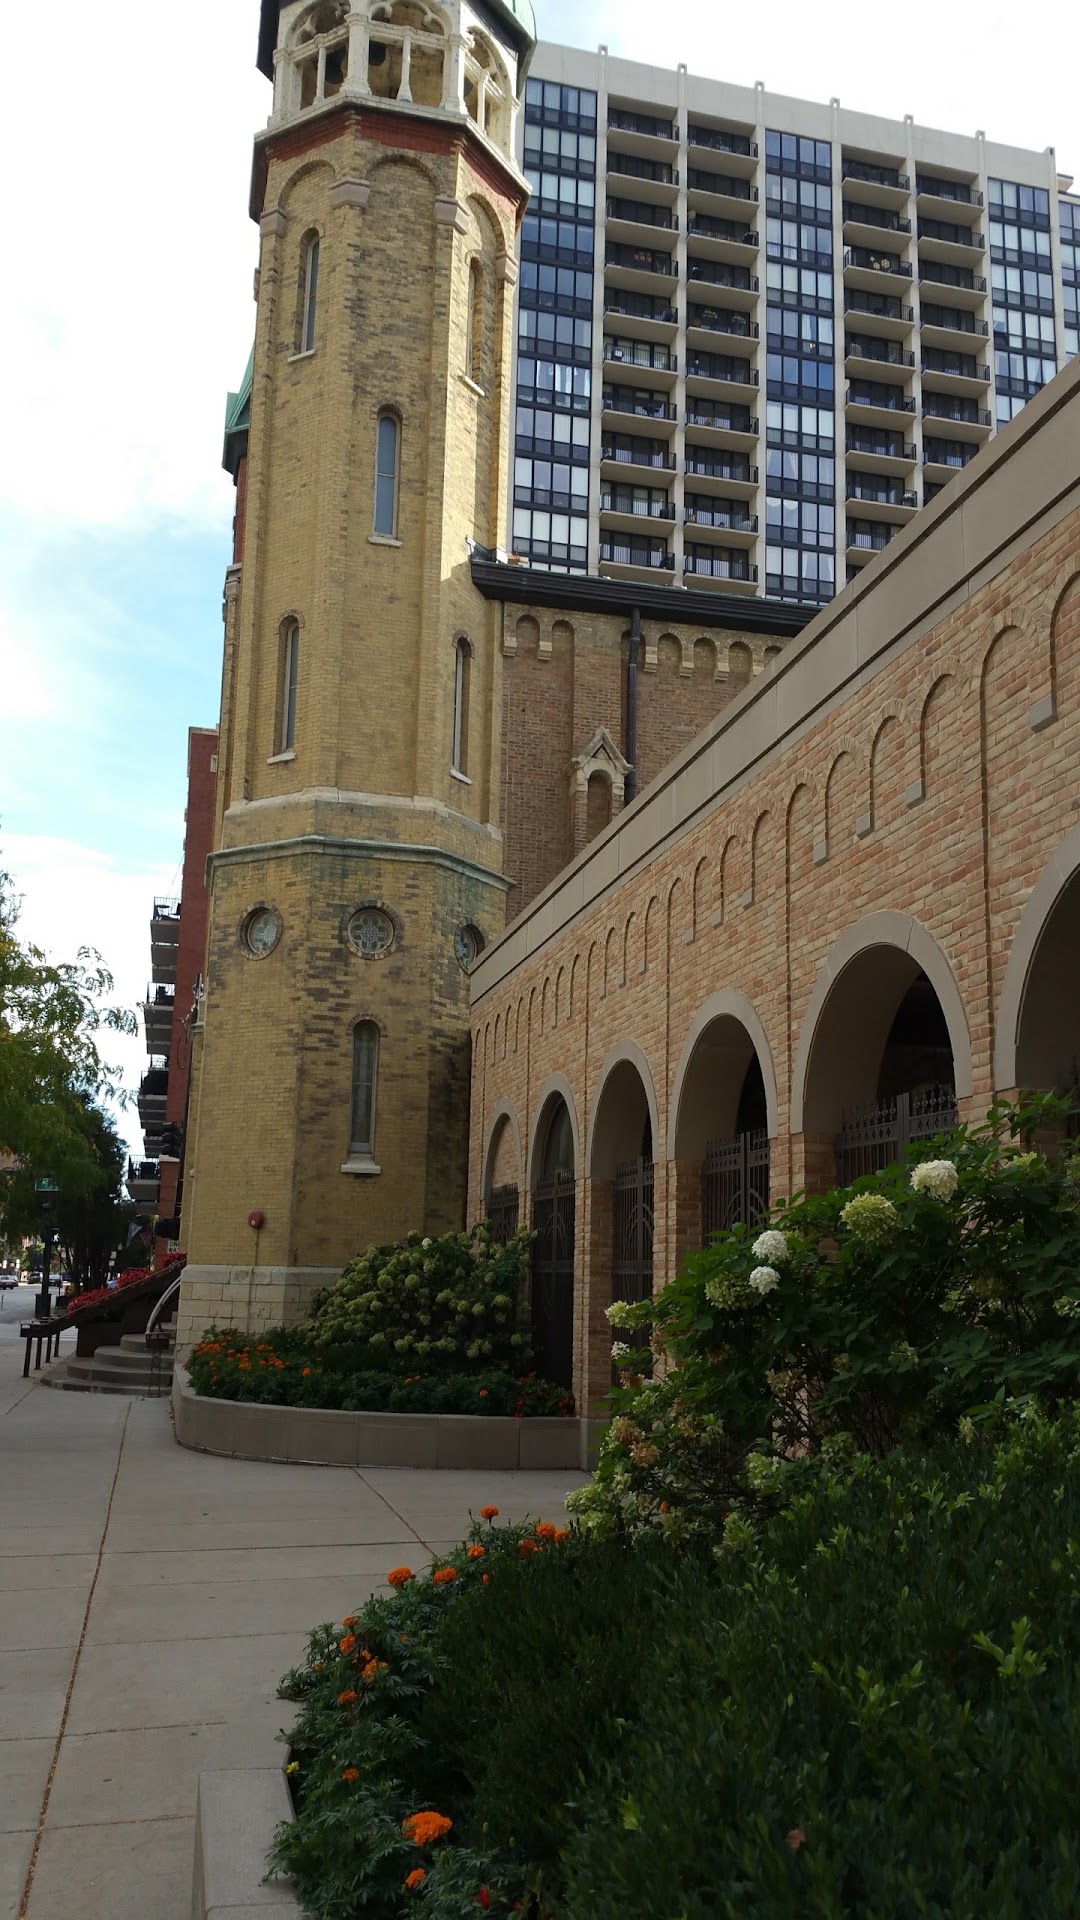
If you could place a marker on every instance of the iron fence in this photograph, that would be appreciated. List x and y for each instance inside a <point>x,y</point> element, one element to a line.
<point>554,1222</point>
<point>872,1138</point>
<point>503,1210</point>
<point>734,1183</point>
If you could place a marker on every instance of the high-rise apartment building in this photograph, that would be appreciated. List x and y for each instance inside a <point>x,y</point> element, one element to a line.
<point>755,333</point>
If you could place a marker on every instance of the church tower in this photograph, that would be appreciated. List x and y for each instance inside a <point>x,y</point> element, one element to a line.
<point>358,860</point>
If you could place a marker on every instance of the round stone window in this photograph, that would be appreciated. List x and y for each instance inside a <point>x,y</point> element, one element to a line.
<point>371,932</point>
<point>262,931</point>
<point>468,945</point>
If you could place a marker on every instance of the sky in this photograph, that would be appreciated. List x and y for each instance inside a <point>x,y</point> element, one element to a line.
<point>128,314</point>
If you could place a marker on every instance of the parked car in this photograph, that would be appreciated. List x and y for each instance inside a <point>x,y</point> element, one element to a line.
<point>9,1280</point>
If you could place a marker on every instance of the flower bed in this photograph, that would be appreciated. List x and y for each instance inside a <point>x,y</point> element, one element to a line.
<point>286,1370</point>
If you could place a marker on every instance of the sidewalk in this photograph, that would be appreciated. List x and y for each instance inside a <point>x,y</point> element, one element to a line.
<point>150,1599</point>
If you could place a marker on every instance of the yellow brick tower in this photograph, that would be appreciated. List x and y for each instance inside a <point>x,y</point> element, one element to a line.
<point>358,859</point>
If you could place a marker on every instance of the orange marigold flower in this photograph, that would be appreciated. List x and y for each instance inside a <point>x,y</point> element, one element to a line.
<point>444,1576</point>
<point>527,1547</point>
<point>398,1576</point>
<point>487,1579</point>
<point>547,1530</point>
<point>477,1553</point>
<point>345,1699</point>
<point>424,1828</point>
<point>561,1534</point>
<point>489,1513</point>
<point>307,1370</point>
<point>349,1620</point>
<point>351,1773</point>
<point>796,1838</point>
<point>416,1878</point>
<point>349,1642</point>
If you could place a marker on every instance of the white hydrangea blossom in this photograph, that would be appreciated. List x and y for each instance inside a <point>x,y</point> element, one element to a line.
<point>937,1177</point>
<point>619,1312</point>
<point>620,1352</point>
<point>771,1246</point>
<point>764,1279</point>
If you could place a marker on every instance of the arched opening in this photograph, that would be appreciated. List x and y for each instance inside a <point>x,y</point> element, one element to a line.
<point>721,1145</point>
<point>1048,1030</point>
<point>554,1215</point>
<point>387,463</point>
<point>502,1174</point>
<point>597,804</point>
<point>309,294</point>
<point>623,1191</point>
<point>462,676</point>
<point>881,1072</point>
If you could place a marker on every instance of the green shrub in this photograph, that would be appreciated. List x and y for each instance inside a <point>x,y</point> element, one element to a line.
<point>862,1706</point>
<point>287,1369</point>
<point>440,1304</point>
<point>895,1309</point>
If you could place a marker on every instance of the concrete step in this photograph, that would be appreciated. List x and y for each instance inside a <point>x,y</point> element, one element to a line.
<point>136,1343</point>
<point>111,1370</point>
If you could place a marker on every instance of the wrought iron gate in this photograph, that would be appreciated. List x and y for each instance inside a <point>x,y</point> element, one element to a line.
<point>734,1183</point>
<point>632,1238</point>
<point>503,1211</point>
<point>875,1137</point>
<point>554,1210</point>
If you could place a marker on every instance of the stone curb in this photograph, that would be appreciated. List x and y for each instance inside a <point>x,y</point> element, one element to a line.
<point>314,1436</point>
<point>238,1812</point>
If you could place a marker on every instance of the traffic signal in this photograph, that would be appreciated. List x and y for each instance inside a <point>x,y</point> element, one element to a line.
<point>172,1141</point>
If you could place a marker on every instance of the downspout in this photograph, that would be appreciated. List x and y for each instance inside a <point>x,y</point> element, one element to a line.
<point>630,749</point>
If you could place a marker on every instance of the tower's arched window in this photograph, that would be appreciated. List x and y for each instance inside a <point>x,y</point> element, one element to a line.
<point>474,345</point>
<point>309,294</point>
<point>365,1069</point>
<point>462,673</point>
<point>290,678</point>
<point>387,460</point>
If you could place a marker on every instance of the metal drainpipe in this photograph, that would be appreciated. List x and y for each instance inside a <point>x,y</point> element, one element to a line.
<point>631,705</point>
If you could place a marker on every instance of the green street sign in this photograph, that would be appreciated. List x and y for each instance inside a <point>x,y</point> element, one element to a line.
<point>46,1186</point>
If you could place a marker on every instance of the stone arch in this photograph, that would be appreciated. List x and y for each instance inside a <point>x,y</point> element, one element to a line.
<point>761,845</point>
<point>704,658</point>
<point>736,1033</point>
<point>727,877</point>
<point>847,1021</point>
<point>1061,591</point>
<point>398,158</point>
<point>527,632</point>
<point>574,965</point>
<point>669,652</point>
<point>611,978</point>
<point>842,787</point>
<point>628,934</point>
<point>886,769</point>
<point>624,1100</point>
<point>554,1090</point>
<point>740,663</point>
<point>699,895</point>
<point>651,913</point>
<point>306,170</point>
<point>504,1126</point>
<point>1051,915</point>
<point>941,690</point>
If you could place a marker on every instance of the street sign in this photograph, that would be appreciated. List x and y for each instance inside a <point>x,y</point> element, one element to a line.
<point>46,1186</point>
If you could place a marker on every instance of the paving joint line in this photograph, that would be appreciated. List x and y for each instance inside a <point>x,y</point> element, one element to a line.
<point>24,1903</point>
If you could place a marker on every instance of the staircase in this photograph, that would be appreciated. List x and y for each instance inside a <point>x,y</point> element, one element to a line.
<point>132,1368</point>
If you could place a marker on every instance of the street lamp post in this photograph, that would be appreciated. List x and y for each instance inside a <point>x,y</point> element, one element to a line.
<point>46,1188</point>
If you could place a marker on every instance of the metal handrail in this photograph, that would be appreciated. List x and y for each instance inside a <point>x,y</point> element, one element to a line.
<point>169,1294</point>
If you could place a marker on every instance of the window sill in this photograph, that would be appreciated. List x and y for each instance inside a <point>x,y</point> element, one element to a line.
<point>383,540</point>
<point>473,386</point>
<point>279,759</point>
<point>360,1163</point>
<point>307,353</point>
<point>455,774</point>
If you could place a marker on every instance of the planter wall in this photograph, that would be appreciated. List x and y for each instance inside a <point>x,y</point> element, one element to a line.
<point>316,1437</point>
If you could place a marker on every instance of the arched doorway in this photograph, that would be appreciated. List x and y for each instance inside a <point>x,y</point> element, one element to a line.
<point>502,1176</point>
<point>622,1189</point>
<point>878,1067</point>
<point>1048,1028</point>
<point>725,1115</point>
<point>554,1218</point>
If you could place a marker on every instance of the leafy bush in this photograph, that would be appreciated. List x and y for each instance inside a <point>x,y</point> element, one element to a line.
<point>288,1370</point>
<point>895,1309</point>
<point>444,1304</point>
<point>863,1705</point>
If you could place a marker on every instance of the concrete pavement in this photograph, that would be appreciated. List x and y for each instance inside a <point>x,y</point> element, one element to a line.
<point>150,1600</point>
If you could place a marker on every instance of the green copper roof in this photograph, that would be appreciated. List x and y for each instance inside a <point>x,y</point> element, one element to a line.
<point>238,420</point>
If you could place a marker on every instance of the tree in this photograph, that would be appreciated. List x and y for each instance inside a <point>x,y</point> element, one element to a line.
<point>52,1072</point>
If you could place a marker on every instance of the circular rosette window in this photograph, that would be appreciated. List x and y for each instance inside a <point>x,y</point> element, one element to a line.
<point>371,932</point>
<point>261,931</point>
<point>468,945</point>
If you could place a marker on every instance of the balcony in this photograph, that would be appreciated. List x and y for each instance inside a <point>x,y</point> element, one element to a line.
<point>719,194</point>
<point>888,359</point>
<point>645,134</point>
<point>951,327</point>
<point>880,499</point>
<point>948,199</point>
<point>656,356</point>
<point>952,245</point>
<point>732,570</point>
<point>865,225</point>
<point>967,420</point>
<point>635,559</point>
<point>722,320</point>
<point>157,1017</point>
<point>875,271</point>
<point>144,1181</point>
<point>726,517</point>
<point>710,373</point>
<point>740,287</point>
<point>641,269</point>
<point>721,426</point>
<point>153,1088</point>
<point>863,540</point>
<point>876,185</point>
<point>640,315</point>
<point>958,373</point>
<point>164,941</point>
<point>874,402</point>
<point>966,289</point>
<point>627,404</point>
<point>881,315</point>
<point>634,454</point>
<point>712,475</point>
<point>741,152</point>
<point>881,452</point>
<point>623,508</point>
<point>653,180</point>
<point>943,458</point>
<point>633,221</point>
